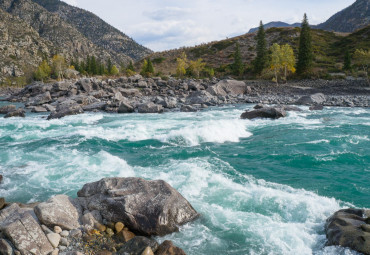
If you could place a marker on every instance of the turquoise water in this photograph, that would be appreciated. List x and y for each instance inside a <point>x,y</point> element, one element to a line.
<point>262,187</point>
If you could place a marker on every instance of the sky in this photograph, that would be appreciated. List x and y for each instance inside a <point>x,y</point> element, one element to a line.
<point>169,24</point>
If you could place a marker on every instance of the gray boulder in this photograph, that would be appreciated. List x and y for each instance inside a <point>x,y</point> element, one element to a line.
<point>22,229</point>
<point>229,87</point>
<point>98,106</point>
<point>188,108</point>
<point>200,97</point>
<point>125,107</point>
<point>17,113</point>
<point>60,211</point>
<point>349,228</point>
<point>266,112</point>
<point>66,110</point>
<point>316,108</point>
<point>146,207</point>
<point>39,109</point>
<point>130,92</point>
<point>86,85</point>
<point>5,247</point>
<point>39,99</point>
<point>7,108</point>
<point>62,86</point>
<point>150,108</point>
<point>315,99</point>
<point>137,245</point>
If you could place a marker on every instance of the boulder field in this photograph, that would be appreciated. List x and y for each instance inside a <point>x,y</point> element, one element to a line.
<point>110,216</point>
<point>154,95</point>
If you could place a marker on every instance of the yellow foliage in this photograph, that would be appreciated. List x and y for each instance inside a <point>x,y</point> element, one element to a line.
<point>182,63</point>
<point>196,66</point>
<point>282,59</point>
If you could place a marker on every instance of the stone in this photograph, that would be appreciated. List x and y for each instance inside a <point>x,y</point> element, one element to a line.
<point>64,241</point>
<point>60,210</point>
<point>86,85</point>
<point>39,99</point>
<point>105,252</point>
<point>57,229</point>
<point>267,112</point>
<point>98,106</point>
<point>316,108</point>
<point>289,108</point>
<point>7,108</point>
<point>345,228</point>
<point>259,106</point>
<point>109,231</point>
<point>62,86</point>
<point>91,219</point>
<point>125,107</point>
<point>64,233</point>
<point>17,113</point>
<point>54,239</point>
<point>127,235</point>
<point>100,227</point>
<point>201,97</point>
<point>2,203</point>
<point>75,233</point>
<point>5,247</point>
<point>315,99</point>
<point>146,207</point>
<point>147,251</point>
<point>1,178</point>
<point>38,109</point>
<point>229,87</point>
<point>119,226</point>
<point>137,246</point>
<point>46,229</point>
<point>55,251</point>
<point>71,110</point>
<point>150,108</point>
<point>25,233</point>
<point>168,248</point>
<point>130,92</point>
<point>49,107</point>
<point>188,108</point>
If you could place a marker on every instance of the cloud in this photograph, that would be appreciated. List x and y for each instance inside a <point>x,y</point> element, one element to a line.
<point>167,13</point>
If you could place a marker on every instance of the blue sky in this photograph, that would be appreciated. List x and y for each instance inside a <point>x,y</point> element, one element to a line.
<point>168,24</point>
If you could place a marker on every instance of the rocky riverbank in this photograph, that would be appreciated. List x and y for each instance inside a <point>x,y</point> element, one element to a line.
<point>113,215</point>
<point>154,95</point>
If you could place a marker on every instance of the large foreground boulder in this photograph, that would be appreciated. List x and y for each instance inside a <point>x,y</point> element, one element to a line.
<point>146,207</point>
<point>39,99</point>
<point>265,112</point>
<point>22,229</point>
<point>61,112</point>
<point>60,211</point>
<point>201,97</point>
<point>350,228</point>
<point>315,99</point>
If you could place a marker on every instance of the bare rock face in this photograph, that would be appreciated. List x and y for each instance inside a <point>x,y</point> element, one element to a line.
<point>266,112</point>
<point>350,228</point>
<point>60,211</point>
<point>146,207</point>
<point>315,99</point>
<point>22,229</point>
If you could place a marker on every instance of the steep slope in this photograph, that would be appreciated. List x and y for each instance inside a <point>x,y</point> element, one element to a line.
<point>275,24</point>
<point>95,29</point>
<point>329,48</point>
<point>21,47</point>
<point>350,19</point>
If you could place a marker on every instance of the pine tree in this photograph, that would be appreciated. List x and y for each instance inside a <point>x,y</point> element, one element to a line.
<point>238,67</point>
<point>261,59</point>
<point>131,67</point>
<point>150,68</point>
<point>305,55</point>
<point>93,67</point>
<point>109,66</point>
<point>347,62</point>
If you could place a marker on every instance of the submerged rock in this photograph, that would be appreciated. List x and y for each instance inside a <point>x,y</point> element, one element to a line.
<point>17,113</point>
<point>349,228</point>
<point>316,108</point>
<point>266,112</point>
<point>146,207</point>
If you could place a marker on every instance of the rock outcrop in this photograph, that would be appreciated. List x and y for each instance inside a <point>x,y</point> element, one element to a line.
<point>350,228</point>
<point>146,207</point>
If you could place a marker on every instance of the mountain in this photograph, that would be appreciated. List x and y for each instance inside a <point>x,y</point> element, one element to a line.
<point>275,24</point>
<point>95,29</point>
<point>350,19</point>
<point>30,32</point>
<point>329,49</point>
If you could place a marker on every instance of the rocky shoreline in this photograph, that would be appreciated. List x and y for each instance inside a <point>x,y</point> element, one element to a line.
<point>154,95</point>
<point>111,216</point>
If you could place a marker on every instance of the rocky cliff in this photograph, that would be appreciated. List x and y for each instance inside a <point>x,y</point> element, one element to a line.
<point>95,29</point>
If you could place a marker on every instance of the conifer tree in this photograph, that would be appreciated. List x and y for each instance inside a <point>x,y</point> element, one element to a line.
<point>131,67</point>
<point>238,67</point>
<point>150,68</point>
<point>305,55</point>
<point>93,66</point>
<point>261,59</point>
<point>109,66</point>
<point>347,61</point>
